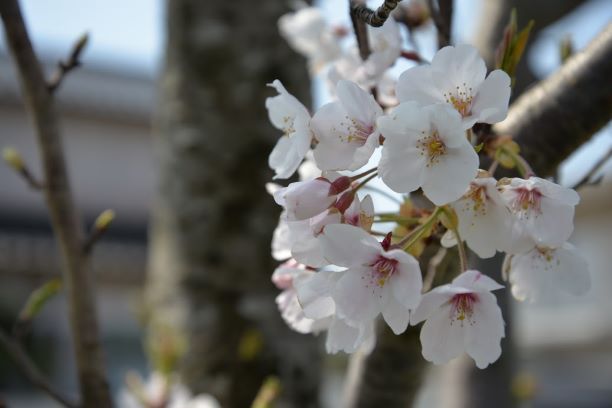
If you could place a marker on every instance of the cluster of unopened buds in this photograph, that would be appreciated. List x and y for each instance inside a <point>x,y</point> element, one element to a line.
<point>338,277</point>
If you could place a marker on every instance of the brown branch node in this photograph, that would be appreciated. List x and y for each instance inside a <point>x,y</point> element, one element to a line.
<point>375,18</point>
<point>73,61</point>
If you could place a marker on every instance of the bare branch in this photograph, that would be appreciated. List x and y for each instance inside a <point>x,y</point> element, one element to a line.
<point>442,17</point>
<point>563,111</point>
<point>375,18</point>
<point>73,61</point>
<point>29,369</point>
<point>65,220</point>
<point>361,30</point>
<point>432,268</point>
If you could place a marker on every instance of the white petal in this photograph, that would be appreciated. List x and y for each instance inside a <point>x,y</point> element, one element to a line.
<point>406,282</point>
<point>314,294</point>
<point>416,84</point>
<point>284,159</point>
<point>396,315</point>
<point>554,225</point>
<point>476,281</point>
<point>357,298</point>
<point>346,245</point>
<point>491,103</point>
<point>458,66</point>
<point>447,179</point>
<point>430,302</point>
<point>484,334</point>
<point>358,103</point>
<point>441,340</point>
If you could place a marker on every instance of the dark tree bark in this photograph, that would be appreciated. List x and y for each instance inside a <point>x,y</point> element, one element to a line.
<point>210,262</point>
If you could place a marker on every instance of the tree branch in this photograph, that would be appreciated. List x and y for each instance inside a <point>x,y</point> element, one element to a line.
<point>375,18</point>
<point>360,28</point>
<point>73,61</point>
<point>562,112</point>
<point>27,367</point>
<point>66,222</point>
<point>442,17</point>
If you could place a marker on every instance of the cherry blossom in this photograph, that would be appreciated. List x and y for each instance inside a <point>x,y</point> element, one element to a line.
<point>456,77</point>
<point>427,148</point>
<point>375,281</point>
<point>542,270</point>
<point>291,311</point>
<point>484,220</point>
<point>289,115</point>
<point>346,129</point>
<point>462,316</point>
<point>543,212</point>
<point>305,199</point>
<point>315,296</point>
<point>309,34</point>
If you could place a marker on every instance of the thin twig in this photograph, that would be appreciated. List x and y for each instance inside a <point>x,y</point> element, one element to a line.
<point>66,222</point>
<point>586,180</point>
<point>442,16</point>
<point>29,369</point>
<point>73,61</point>
<point>375,18</point>
<point>432,268</point>
<point>361,30</point>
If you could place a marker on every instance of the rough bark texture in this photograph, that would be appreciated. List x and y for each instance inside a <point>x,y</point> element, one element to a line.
<point>66,222</point>
<point>494,17</point>
<point>210,263</point>
<point>562,112</point>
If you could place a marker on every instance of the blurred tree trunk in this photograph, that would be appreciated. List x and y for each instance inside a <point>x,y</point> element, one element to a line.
<point>210,265</point>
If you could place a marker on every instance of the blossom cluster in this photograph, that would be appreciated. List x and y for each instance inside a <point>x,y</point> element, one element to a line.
<point>336,275</point>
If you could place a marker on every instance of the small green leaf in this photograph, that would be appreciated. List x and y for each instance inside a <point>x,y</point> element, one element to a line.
<point>37,300</point>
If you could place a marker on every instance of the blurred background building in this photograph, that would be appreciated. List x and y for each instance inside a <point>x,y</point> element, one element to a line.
<point>107,106</point>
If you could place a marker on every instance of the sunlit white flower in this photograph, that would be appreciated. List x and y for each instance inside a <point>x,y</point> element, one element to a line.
<point>547,270</point>
<point>456,77</point>
<point>315,296</point>
<point>427,148</point>
<point>346,129</point>
<point>375,281</point>
<point>484,220</point>
<point>461,317</point>
<point>289,115</point>
<point>284,278</point>
<point>308,33</point>
<point>299,239</point>
<point>543,212</point>
<point>161,390</point>
<point>306,199</point>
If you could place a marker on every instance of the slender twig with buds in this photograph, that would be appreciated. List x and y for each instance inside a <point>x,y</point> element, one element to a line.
<point>73,61</point>
<point>375,18</point>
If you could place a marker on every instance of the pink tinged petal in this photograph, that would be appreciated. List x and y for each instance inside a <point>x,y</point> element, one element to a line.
<point>346,245</point>
<point>396,315</point>
<point>406,282</point>
<point>430,302</point>
<point>358,103</point>
<point>305,199</point>
<point>447,179</point>
<point>486,329</point>
<point>416,84</point>
<point>491,102</point>
<point>314,294</point>
<point>441,338</point>
<point>572,271</point>
<point>358,299</point>
<point>554,191</point>
<point>476,281</point>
